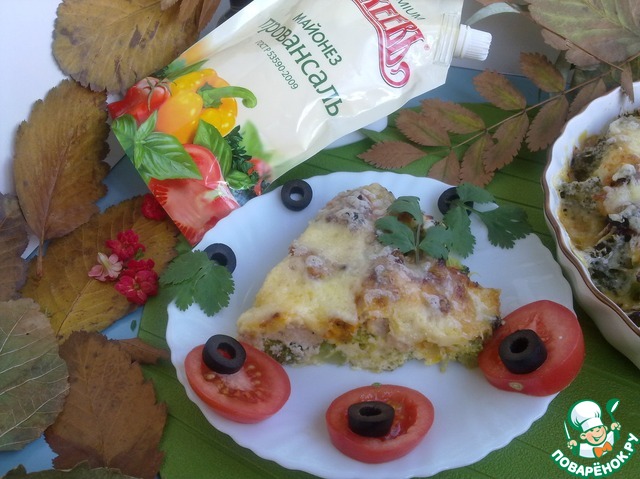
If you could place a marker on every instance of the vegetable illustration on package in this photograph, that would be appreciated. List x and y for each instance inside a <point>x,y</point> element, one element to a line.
<point>179,129</point>
<point>315,85</point>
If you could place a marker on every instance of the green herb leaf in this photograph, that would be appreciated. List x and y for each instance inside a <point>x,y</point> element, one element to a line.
<point>396,234</point>
<point>208,136</point>
<point>178,68</point>
<point>437,242</point>
<point>125,127</point>
<point>195,278</point>
<point>154,154</point>
<point>472,193</point>
<point>239,181</point>
<point>162,156</point>
<point>458,223</point>
<point>505,224</point>
<point>409,205</point>
<point>251,142</point>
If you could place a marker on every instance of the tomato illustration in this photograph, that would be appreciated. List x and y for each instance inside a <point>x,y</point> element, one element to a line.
<point>196,205</point>
<point>141,100</point>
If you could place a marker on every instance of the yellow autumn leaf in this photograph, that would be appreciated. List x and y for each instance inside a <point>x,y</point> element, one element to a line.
<point>421,129</point>
<point>13,241</point>
<point>542,72</point>
<point>473,168</point>
<point>33,377</point>
<point>391,154</point>
<point>58,163</point>
<point>497,89</point>
<point>72,299</point>
<point>452,116</point>
<point>111,44</point>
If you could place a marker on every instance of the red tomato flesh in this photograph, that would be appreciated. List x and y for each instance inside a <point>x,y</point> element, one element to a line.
<point>141,100</point>
<point>561,334</point>
<point>251,395</point>
<point>195,205</point>
<point>413,419</point>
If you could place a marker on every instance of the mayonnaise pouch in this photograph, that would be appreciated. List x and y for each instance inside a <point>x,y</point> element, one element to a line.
<point>275,84</point>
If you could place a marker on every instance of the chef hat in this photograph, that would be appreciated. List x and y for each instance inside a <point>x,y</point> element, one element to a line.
<point>585,415</point>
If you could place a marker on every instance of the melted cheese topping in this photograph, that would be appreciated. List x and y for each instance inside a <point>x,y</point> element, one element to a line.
<point>341,290</point>
<point>601,212</point>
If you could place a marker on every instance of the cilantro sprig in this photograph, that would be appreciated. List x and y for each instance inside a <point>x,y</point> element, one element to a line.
<point>193,277</point>
<point>404,226</point>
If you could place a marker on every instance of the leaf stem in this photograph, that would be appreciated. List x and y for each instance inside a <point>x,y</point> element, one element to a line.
<point>535,106</point>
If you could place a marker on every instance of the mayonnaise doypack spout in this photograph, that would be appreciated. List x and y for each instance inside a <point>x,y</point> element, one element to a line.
<point>289,78</point>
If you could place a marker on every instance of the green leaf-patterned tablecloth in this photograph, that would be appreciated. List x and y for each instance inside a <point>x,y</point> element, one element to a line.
<point>194,449</point>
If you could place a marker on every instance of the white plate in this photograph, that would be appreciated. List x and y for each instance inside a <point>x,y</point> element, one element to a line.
<point>472,418</point>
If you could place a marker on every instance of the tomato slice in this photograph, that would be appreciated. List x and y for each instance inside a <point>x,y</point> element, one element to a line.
<point>413,419</point>
<point>251,395</point>
<point>561,334</point>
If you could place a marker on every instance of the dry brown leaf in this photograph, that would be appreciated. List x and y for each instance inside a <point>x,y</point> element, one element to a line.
<point>164,4</point>
<point>209,8</point>
<point>497,89</point>
<point>586,94</point>
<point>391,154</point>
<point>142,352</point>
<point>548,123</point>
<point>421,129</point>
<point>446,170</point>
<point>111,44</point>
<point>58,164</point>
<point>607,30</point>
<point>73,300</point>
<point>473,169</point>
<point>507,140</point>
<point>542,72</point>
<point>574,55</point>
<point>626,82</point>
<point>452,116</point>
<point>111,417</point>
<point>81,471</point>
<point>201,10</point>
<point>13,241</point>
<point>33,377</point>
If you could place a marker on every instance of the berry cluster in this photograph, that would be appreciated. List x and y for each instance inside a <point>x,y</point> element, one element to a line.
<point>134,276</point>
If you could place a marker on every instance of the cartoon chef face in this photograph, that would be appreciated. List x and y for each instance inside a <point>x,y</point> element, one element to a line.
<point>585,416</point>
<point>595,436</point>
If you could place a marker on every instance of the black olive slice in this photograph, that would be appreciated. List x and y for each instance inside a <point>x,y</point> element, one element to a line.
<point>223,354</point>
<point>371,418</point>
<point>447,197</point>
<point>296,194</point>
<point>222,254</point>
<point>522,351</point>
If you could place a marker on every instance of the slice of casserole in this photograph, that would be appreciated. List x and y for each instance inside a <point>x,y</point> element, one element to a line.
<point>340,295</point>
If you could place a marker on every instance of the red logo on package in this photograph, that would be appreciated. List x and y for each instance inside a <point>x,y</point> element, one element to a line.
<point>396,34</point>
